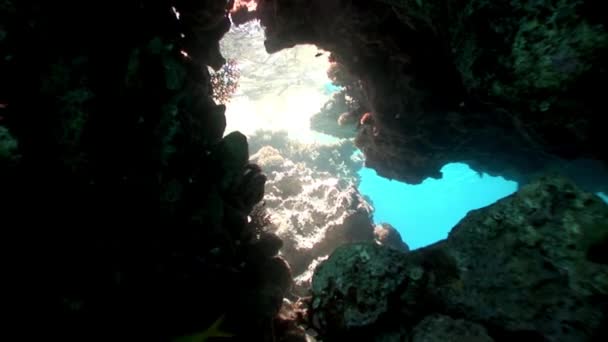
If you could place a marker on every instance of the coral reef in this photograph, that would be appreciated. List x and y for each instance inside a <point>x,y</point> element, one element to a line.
<point>312,202</point>
<point>225,81</point>
<point>311,211</point>
<point>288,322</point>
<point>338,158</point>
<point>521,268</point>
<point>508,87</point>
<point>387,235</point>
<point>338,117</point>
<point>444,328</point>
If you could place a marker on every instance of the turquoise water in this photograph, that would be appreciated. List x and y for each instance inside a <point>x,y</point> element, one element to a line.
<point>425,213</point>
<point>329,88</point>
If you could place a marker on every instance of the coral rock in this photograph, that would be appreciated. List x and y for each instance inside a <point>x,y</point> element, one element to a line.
<point>312,211</point>
<point>354,287</point>
<point>388,236</point>
<point>518,82</point>
<point>520,267</point>
<point>440,328</point>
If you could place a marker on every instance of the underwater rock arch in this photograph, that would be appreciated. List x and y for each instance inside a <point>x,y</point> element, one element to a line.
<point>447,81</point>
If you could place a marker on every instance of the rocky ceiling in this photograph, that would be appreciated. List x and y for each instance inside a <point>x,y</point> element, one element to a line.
<point>508,87</point>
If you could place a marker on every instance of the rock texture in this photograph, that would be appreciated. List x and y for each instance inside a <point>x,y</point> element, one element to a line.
<point>540,277</point>
<point>338,117</point>
<point>518,80</point>
<point>312,211</point>
<point>313,203</point>
<point>525,267</point>
<point>355,288</point>
<point>125,204</point>
<point>439,328</point>
<point>342,114</point>
<point>387,235</point>
<point>338,158</point>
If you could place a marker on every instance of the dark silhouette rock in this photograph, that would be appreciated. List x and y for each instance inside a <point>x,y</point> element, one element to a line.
<point>442,328</point>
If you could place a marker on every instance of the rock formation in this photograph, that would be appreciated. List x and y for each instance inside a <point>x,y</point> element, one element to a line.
<point>313,211</point>
<point>338,158</point>
<point>507,87</point>
<point>337,117</point>
<point>125,205</point>
<point>132,217</point>
<point>525,267</point>
<point>387,235</point>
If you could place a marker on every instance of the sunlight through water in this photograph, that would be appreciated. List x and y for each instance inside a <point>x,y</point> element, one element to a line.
<point>278,91</point>
<point>281,91</point>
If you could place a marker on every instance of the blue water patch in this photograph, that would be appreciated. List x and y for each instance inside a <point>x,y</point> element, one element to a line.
<point>603,196</point>
<point>425,213</point>
<point>329,88</point>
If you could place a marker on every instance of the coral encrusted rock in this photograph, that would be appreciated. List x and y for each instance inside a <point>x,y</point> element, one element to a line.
<point>530,266</point>
<point>504,85</point>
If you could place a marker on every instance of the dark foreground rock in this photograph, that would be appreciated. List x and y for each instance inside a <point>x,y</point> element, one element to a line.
<point>125,204</point>
<point>528,267</point>
<point>437,328</point>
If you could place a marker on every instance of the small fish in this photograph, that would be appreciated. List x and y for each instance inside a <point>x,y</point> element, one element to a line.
<point>319,54</point>
<point>366,118</point>
<point>212,332</point>
<point>3,105</point>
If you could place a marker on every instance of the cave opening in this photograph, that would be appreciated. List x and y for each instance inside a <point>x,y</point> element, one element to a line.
<point>276,92</point>
<point>425,213</point>
<point>123,198</point>
<point>276,100</point>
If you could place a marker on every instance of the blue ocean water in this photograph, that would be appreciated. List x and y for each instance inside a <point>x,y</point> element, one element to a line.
<point>425,213</point>
<point>329,88</point>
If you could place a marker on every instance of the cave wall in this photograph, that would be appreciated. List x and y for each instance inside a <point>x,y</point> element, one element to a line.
<point>127,208</point>
<point>505,87</point>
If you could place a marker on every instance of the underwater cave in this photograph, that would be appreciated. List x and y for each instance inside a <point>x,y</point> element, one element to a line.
<point>300,171</point>
<point>278,94</point>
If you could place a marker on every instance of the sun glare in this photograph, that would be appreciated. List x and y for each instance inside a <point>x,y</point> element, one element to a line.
<point>280,91</point>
